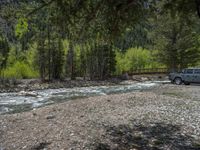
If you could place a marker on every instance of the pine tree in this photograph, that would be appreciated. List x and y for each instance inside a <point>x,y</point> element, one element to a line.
<point>58,59</point>
<point>71,61</point>
<point>4,50</point>
<point>41,56</point>
<point>178,42</point>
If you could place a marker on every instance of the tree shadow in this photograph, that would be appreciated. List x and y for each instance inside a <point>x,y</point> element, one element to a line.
<point>155,136</point>
<point>40,146</point>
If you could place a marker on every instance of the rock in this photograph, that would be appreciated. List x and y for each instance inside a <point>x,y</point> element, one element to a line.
<point>1,148</point>
<point>125,76</point>
<point>136,79</point>
<point>144,79</point>
<point>50,117</point>
<point>24,93</point>
<point>72,134</point>
<point>34,114</point>
<point>4,110</point>
<point>41,146</point>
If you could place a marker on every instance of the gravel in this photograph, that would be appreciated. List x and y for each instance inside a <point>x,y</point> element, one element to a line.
<point>166,117</point>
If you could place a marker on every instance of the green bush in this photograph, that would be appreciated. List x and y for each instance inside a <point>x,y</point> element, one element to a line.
<point>20,70</point>
<point>135,58</point>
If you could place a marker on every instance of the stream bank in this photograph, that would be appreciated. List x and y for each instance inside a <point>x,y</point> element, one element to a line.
<point>36,84</point>
<point>17,102</point>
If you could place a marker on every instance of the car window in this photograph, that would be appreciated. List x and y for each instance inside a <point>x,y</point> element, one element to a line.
<point>189,71</point>
<point>197,71</point>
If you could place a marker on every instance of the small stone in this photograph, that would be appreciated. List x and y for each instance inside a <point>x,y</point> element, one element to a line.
<point>50,117</point>
<point>72,134</point>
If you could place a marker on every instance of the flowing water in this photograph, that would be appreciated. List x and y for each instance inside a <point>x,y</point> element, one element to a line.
<point>24,101</point>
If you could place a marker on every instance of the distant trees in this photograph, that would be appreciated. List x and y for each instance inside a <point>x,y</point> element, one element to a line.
<point>95,60</point>
<point>50,56</point>
<point>42,56</point>
<point>101,37</point>
<point>136,58</point>
<point>177,41</point>
<point>185,8</point>
<point>101,60</point>
<point>71,61</point>
<point>4,50</point>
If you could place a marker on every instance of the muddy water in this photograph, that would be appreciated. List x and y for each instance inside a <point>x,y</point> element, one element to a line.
<point>24,101</point>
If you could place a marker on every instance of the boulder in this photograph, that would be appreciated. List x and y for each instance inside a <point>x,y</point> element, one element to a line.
<point>144,79</point>
<point>125,76</point>
<point>31,94</point>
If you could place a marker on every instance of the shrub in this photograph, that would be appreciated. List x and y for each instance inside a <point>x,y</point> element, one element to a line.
<point>20,70</point>
<point>135,58</point>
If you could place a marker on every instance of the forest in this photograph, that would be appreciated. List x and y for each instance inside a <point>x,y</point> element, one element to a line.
<point>96,39</point>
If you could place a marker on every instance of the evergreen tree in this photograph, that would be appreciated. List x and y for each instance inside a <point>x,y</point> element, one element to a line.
<point>71,61</point>
<point>58,60</point>
<point>178,41</point>
<point>41,61</point>
<point>4,50</point>
<point>101,60</point>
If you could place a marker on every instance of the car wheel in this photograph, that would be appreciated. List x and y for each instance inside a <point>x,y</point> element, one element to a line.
<point>178,81</point>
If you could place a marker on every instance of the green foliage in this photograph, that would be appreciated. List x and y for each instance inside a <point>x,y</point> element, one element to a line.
<point>135,58</point>
<point>78,37</point>
<point>101,60</point>
<point>184,8</point>
<point>4,50</point>
<point>20,65</point>
<point>30,56</point>
<point>57,59</point>
<point>21,28</point>
<point>50,55</point>
<point>177,41</point>
<point>79,60</point>
<point>95,59</point>
<point>106,18</point>
<point>71,60</point>
<point>134,37</point>
<point>20,70</point>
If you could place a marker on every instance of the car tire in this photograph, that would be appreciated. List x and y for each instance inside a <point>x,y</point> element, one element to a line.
<point>178,81</point>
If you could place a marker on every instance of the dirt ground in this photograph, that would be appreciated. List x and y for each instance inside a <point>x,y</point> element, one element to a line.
<point>166,117</point>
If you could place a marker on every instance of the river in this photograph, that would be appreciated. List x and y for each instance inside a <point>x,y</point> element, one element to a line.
<point>25,101</point>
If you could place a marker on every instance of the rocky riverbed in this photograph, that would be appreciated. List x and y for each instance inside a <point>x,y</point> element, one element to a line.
<point>165,117</point>
<point>36,84</point>
<point>17,102</point>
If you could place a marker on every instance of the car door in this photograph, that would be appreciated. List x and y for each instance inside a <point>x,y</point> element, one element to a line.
<point>197,75</point>
<point>188,75</point>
